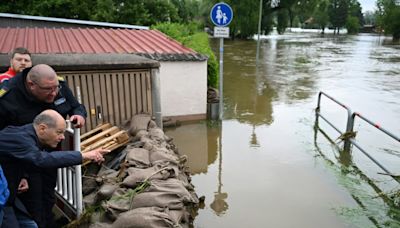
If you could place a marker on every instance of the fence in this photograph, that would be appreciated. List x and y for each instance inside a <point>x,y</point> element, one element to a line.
<point>112,96</point>
<point>69,179</point>
<point>349,135</point>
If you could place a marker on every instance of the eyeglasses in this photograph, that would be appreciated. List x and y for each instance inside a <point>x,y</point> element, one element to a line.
<point>48,89</point>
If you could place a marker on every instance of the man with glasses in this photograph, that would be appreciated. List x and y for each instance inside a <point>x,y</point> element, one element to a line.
<point>21,99</point>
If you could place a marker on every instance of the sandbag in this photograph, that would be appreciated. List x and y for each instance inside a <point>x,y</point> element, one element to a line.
<point>147,217</point>
<point>118,204</point>
<point>172,185</point>
<point>137,157</point>
<point>163,154</point>
<point>159,171</point>
<point>158,199</point>
<point>106,191</point>
<point>139,122</point>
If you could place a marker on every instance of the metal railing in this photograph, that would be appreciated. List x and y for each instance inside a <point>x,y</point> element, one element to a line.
<point>69,179</point>
<point>349,135</point>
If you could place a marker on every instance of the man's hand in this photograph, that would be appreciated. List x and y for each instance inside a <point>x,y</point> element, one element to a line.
<point>23,186</point>
<point>95,155</point>
<point>77,120</point>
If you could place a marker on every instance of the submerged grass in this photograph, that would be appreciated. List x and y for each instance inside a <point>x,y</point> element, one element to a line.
<point>375,208</point>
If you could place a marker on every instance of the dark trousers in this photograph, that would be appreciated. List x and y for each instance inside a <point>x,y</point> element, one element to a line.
<point>40,198</point>
<point>16,216</point>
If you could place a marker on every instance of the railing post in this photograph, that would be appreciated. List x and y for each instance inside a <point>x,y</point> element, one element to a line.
<point>317,110</point>
<point>78,174</point>
<point>349,128</point>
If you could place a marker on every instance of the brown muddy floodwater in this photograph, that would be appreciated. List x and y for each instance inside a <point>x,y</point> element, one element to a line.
<point>265,166</point>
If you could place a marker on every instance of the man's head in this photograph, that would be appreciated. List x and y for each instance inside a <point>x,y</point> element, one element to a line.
<point>42,82</point>
<point>50,127</point>
<point>20,59</point>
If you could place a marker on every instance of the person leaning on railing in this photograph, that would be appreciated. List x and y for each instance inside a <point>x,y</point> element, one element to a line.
<point>28,145</point>
<point>21,99</point>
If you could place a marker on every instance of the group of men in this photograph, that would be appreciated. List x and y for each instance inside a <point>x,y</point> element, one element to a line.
<point>34,103</point>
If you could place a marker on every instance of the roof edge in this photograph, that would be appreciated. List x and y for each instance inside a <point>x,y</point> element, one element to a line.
<point>73,21</point>
<point>80,62</point>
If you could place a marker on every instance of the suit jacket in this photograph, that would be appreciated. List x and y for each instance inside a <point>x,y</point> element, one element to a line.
<point>20,148</point>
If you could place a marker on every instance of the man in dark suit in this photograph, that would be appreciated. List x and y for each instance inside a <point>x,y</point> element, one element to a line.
<point>21,146</point>
<point>21,99</point>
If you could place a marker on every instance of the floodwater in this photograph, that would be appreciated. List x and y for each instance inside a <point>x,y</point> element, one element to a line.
<point>264,165</point>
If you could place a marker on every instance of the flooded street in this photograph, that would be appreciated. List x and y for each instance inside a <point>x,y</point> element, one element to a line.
<point>264,165</point>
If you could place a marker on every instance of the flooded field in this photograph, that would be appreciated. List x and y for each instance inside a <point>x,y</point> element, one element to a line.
<point>264,165</point>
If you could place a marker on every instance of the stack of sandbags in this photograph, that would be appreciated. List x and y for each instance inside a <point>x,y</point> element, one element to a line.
<point>149,188</point>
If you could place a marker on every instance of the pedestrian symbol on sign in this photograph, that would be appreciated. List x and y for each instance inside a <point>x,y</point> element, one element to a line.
<point>221,14</point>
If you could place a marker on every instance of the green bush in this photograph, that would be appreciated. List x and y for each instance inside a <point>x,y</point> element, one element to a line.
<point>191,36</point>
<point>352,25</point>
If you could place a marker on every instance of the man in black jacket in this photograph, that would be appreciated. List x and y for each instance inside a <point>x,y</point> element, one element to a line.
<point>21,99</point>
<point>28,145</point>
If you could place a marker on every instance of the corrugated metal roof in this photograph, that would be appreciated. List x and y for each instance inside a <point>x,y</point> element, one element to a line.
<point>149,43</point>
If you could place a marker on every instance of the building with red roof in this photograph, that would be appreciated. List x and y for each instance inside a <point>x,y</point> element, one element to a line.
<point>87,52</point>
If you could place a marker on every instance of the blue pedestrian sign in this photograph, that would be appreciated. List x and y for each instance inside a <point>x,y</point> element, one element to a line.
<point>221,14</point>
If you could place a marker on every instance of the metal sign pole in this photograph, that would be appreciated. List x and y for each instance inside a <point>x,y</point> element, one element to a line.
<point>221,15</point>
<point>221,77</point>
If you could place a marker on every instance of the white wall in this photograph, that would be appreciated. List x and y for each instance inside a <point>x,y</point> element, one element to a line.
<point>183,88</point>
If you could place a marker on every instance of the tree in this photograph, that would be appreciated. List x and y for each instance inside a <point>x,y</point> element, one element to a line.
<point>187,9</point>
<point>369,18</point>
<point>355,11</point>
<point>104,10</point>
<point>337,11</point>
<point>321,15</point>
<point>305,10</point>
<point>282,21</point>
<point>389,17</point>
<point>352,25</point>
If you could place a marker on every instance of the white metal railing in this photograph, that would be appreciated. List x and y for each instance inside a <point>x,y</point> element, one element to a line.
<point>69,179</point>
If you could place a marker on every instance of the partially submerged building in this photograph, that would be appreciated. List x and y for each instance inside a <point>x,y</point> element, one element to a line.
<point>114,70</point>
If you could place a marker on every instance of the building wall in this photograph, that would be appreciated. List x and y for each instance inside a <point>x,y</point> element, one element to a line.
<point>184,90</point>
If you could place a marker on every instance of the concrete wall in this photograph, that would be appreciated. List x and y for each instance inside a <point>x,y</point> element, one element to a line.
<point>184,89</point>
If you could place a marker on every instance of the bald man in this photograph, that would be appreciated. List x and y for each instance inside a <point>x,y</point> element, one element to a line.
<point>34,90</point>
<point>21,99</point>
<point>28,145</point>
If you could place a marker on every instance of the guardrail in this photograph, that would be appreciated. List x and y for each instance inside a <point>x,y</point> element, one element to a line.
<point>349,135</point>
<point>69,179</point>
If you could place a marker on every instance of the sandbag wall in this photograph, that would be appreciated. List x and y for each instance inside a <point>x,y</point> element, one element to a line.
<point>145,184</point>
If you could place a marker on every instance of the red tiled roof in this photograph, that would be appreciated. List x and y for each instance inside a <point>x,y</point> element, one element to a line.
<point>150,43</point>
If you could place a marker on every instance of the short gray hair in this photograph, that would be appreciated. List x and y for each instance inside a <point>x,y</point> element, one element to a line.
<point>44,118</point>
<point>40,71</point>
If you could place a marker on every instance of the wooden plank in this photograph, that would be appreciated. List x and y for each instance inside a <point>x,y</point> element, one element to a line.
<point>121,95</point>
<point>110,101</point>
<point>70,82</point>
<point>99,128</point>
<point>128,99</point>
<point>116,101</point>
<point>133,93</point>
<point>112,146</point>
<point>148,93</point>
<point>103,141</point>
<point>102,134</point>
<point>139,93</point>
<point>91,106</point>
<point>104,105</point>
<point>97,97</point>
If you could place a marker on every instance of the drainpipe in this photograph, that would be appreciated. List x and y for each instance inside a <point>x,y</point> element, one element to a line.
<point>156,96</point>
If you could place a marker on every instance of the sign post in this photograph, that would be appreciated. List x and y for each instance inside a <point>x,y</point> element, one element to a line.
<point>221,15</point>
